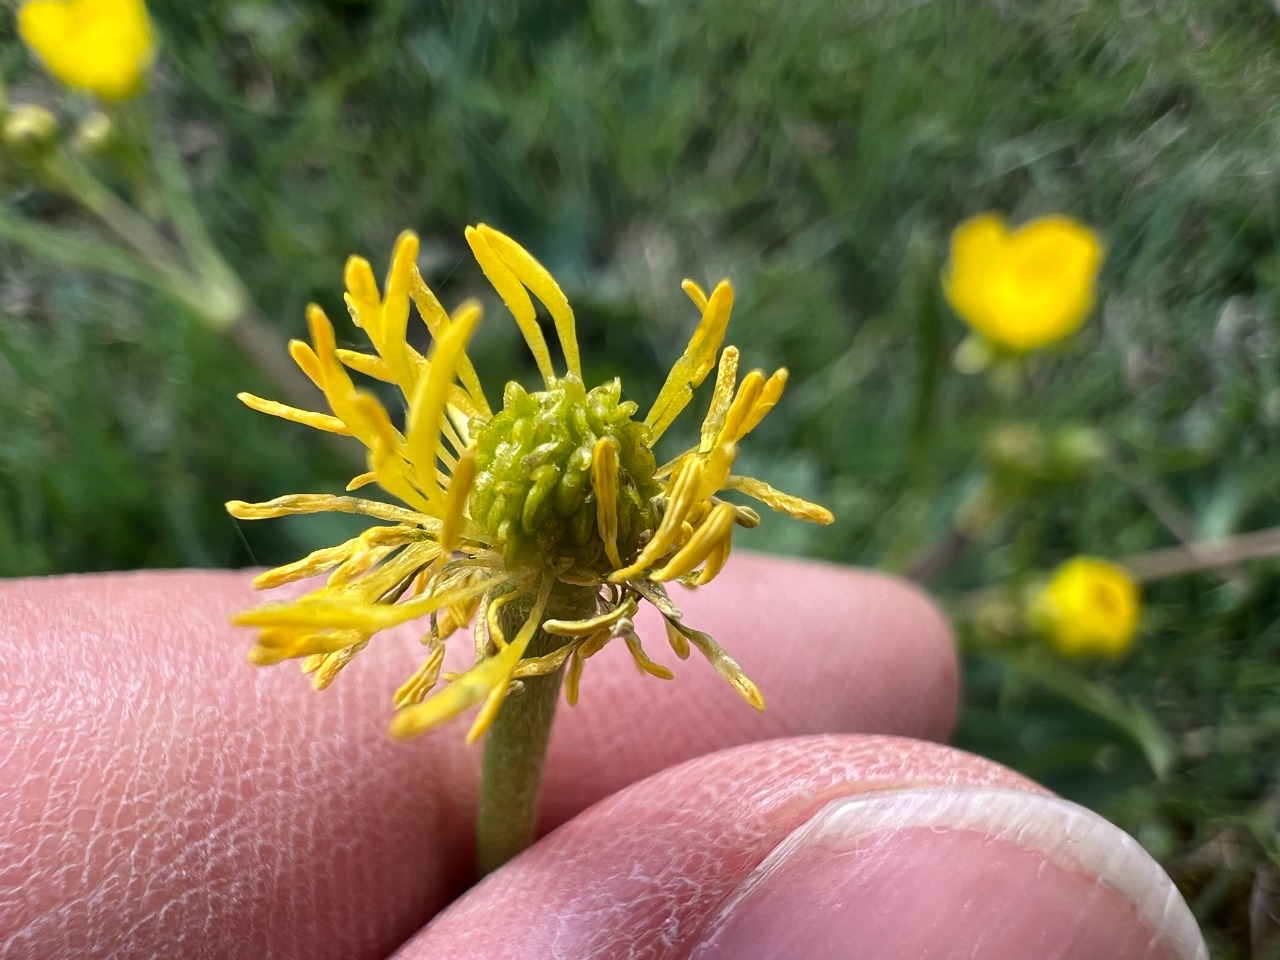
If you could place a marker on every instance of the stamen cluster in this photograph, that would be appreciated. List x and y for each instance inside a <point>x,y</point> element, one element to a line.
<point>533,490</point>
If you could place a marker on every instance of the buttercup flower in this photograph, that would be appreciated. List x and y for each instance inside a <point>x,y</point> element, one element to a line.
<point>553,503</point>
<point>1026,288</point>
<point>1089,607</point>
<point>100,46</point>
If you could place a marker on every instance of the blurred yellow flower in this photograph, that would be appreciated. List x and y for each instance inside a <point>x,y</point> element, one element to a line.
<point>100,46</point>
<point>1026,288</point>
<point>551,513</point>
<point>1089,607</point>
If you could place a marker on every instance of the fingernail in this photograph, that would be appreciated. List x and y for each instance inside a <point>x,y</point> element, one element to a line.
<point>983,874</point>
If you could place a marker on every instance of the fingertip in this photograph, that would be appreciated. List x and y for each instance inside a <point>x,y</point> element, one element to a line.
<point>826,847</point>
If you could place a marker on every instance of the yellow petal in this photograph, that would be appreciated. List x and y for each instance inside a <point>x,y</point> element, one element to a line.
<point>437,321</point>
<point>782,502</point>
<point>487,679</point>
<point>514,296</point>
<point>427,408</point>
<point>102,46</point>
<point>308,418</point>
<point>688,372</point>
<point>710,534</point>
<point>327,503</point>
<point>725,665</point>
<point>721,399</point>
<point>538,279</point>
<point>1024,289</point>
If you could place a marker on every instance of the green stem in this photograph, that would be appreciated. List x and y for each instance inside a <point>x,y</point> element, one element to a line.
<point>515,747</point>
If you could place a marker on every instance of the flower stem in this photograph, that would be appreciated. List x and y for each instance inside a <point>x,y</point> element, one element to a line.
<point>515,747</point>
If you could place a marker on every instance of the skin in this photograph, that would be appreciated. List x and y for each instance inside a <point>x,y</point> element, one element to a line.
<point>158,796</point>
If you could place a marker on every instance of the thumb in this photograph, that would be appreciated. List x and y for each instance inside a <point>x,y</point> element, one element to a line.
<point>826,847</point>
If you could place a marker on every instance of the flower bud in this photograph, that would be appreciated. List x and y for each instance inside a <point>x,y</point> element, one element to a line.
<point>94,135</point>
<point>30,131</point>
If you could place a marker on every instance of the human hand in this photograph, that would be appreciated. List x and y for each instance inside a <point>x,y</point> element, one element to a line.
<point>158,797</point>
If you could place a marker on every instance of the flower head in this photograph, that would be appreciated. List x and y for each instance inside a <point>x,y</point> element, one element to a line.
<point>557,490</point>
<point>101,46</point>
<point>1026,288</point>
<point>1089,607</point>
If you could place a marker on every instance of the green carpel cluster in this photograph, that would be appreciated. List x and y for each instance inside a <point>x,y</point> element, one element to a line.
<point>533,489</point>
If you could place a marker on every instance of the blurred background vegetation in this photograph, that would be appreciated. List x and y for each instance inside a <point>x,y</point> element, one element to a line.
<point>818,153</point>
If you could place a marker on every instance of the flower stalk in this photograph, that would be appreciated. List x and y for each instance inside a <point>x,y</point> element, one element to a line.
<point>105,48</point>
<point>515,748</point>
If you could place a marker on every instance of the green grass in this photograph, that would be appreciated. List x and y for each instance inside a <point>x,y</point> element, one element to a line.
<point>819,154</point>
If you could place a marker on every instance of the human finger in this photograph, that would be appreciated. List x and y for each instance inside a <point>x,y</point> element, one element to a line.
<point>157,790</point>
<point>825,848</point>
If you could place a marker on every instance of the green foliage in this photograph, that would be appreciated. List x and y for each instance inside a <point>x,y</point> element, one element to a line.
<point>818,153</point>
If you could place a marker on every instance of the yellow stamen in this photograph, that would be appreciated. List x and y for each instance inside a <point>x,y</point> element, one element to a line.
<point>307,361</point>
<point>572,678</point>
<point>336,384</point>
<point>415,689</point>
<point>695,293</point>
<point>514,296</point>
<point>394,314</point>
<point>308,418</point>
<point>362,295</point>
<point>679,643</point>
<point>362,480</point>
<point>715,471</point>
<point>548,663</point>
<point>642,659</point>
<point>315,562</point>
<point>455,499</point>
<point>721,399</point>
<point>604,481</point>
<point>584,628</point>
<point>716,560</point>
<point>332,665</point>
<point>276,646</point>
<point>328,557</point>
<point>386,455</point>
<point>682,499</point>
<point>495,636</point>
<point>367,364</point>
<point>415,555</point>
<point>325,613</point>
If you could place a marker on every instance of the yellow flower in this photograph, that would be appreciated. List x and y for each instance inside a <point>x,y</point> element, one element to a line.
<point>101,46</point>
<point>558,492</point>
<point>1026,288</point>
<point>1089,607</point>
